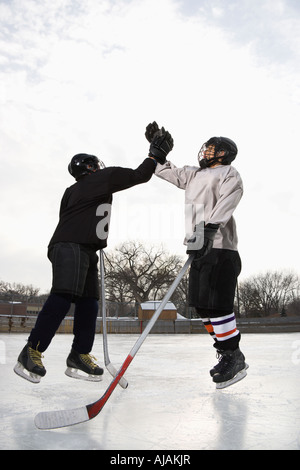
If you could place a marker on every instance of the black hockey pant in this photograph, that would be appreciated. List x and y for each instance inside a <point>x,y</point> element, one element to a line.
<point>54,311</point>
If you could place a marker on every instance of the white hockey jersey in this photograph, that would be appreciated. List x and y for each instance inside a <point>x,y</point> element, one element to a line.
<point>213,193</point>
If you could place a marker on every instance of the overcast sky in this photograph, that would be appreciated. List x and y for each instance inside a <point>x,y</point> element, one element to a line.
<point>88,76</point>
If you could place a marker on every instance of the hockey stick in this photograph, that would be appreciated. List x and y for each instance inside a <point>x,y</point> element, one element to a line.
<point>111,369</point>
<point>63,418</point>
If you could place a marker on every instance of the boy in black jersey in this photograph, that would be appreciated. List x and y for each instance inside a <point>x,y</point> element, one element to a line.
<point>81,231</point>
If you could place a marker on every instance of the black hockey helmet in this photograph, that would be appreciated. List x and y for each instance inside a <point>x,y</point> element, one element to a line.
<point>221,144</point>
<point>84,164</point>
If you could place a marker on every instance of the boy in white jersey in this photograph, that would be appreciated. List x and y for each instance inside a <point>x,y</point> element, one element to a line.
<point>216,187</point>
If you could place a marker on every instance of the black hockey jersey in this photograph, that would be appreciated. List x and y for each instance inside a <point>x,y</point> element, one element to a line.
<point>87,203</point>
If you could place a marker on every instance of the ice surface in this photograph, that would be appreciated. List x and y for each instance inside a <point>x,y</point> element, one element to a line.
<point>170,403</point>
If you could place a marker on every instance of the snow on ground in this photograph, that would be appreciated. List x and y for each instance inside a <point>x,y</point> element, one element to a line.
<point>171,402</point>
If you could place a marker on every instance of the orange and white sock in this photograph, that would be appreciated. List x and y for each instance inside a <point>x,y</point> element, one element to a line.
<point>224,327</point>
<point>209,327</point>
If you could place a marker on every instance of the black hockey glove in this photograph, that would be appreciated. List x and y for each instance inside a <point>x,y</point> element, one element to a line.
<point>160,146</point>
<point>152,130</point>
<point>209,234</point>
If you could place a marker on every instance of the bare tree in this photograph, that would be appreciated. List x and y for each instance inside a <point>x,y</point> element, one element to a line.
<point>17,291</point>
<point>293,307</point>
<point>180,298</point>
<point>136,273</point>
<point>268,293</point>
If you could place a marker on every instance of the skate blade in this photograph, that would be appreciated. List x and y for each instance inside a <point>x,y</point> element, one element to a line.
<point>239,376</point>
<point>20,370</point>
<point>73,373</point>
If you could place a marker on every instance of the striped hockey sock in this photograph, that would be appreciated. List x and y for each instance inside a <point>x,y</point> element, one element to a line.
<point>209,327</point>
<point>224,327</point>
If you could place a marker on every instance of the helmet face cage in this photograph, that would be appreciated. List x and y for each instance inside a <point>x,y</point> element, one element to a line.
<point>207,162</point>
<point>201,152</point>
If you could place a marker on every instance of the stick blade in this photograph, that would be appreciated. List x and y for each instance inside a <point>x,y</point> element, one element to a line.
<point>61,418</point>
<point>113,372</point>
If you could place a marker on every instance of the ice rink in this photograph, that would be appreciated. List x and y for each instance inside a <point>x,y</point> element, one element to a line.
<point>171,402</point>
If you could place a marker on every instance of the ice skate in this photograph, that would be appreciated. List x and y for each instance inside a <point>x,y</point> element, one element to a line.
<point>29,365</point>
<point>84,363</point>
<point>230,369</point>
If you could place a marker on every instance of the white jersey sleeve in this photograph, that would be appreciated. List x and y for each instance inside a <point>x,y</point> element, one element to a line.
<point>230,193</point>
<point>177,176</point>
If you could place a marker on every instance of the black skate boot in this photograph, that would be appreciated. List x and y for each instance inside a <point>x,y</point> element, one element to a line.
<point>230,369</point>
<point>29,365</point>
<point>217,367</point>
<point>84,363</point>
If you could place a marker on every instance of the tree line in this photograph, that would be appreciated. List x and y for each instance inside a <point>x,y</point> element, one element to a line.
<point>135,274</point>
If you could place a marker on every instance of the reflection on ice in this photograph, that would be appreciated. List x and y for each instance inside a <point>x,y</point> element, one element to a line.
<point>171,402</point>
